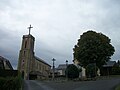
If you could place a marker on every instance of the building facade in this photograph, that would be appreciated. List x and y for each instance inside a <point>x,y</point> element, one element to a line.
<point>5,64</point>
<point>28,64</point>
<point>61,69</point>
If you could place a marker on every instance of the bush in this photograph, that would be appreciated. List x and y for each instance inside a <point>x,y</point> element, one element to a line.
<point>10,83</point>
<point>115,70</point>
<point>8,73</point>
<point>72,71</point>
<point>91,70</point>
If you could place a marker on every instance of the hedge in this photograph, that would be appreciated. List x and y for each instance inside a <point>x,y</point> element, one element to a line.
<point>8,73</point>
<point>10,83</point>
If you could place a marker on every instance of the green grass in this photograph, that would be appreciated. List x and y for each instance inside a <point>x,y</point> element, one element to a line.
<point>115,75</point>
<point>118,87</point>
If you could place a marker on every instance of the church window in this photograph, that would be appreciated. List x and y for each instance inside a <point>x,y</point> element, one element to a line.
<point>22,65</point>
<point>24,53</point>
<point>25,44</point>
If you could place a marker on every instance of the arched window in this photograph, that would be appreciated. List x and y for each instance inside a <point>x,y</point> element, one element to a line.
<point>25,44</point>
<point>24,53</point>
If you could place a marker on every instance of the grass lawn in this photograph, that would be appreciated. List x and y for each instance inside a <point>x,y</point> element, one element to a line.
<point>118,87</point>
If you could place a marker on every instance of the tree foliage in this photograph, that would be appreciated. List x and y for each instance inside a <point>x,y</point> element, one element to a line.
<point>91,70</point>
<point>93,47</point>
<point>72,71</point>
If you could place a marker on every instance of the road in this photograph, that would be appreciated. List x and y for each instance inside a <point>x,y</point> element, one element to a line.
<point>81,85</point>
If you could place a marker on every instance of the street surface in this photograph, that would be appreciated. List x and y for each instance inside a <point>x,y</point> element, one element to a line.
<point>71,85</point>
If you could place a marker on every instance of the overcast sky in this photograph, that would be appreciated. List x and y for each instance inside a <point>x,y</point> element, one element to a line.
<point>57,25</point>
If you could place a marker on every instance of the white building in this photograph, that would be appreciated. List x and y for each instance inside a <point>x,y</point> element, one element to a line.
<point>61,69</point>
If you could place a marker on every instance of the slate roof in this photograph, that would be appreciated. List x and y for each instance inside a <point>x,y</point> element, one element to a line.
<point>39,59</point>
<point>109,64</point>
<point>62,66</point>
<point>4,60</point>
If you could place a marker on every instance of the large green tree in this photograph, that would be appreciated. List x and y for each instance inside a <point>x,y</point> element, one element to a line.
<point>93,47</point>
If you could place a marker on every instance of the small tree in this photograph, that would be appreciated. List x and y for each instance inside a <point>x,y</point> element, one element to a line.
<point>72,71</point>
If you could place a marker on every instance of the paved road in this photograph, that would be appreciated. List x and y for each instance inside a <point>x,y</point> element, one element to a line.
<point>83,85</point>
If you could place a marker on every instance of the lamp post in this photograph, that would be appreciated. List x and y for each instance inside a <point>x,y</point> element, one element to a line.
<point>66,62</point>
<point>66,68</point>
<point>53,75</point>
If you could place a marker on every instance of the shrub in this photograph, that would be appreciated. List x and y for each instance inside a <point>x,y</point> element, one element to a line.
<point>8,73</point>
<point>115,70</point>
<point>72,71</point>
<point>91,70</point>
<point>10,83</point>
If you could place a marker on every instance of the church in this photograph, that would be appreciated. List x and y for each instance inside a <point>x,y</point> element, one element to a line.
<point>31,66</point>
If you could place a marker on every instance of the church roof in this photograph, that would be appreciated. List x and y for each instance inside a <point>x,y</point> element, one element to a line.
<point>109,64</point>
<point>39,59</point>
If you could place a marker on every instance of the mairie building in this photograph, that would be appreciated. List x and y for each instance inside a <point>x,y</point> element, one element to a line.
<point>30,66</point>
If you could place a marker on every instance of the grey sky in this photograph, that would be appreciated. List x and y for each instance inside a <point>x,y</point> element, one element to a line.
<point>57,26</point>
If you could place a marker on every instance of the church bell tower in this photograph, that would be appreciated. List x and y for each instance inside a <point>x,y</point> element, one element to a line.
<point>26,55</point>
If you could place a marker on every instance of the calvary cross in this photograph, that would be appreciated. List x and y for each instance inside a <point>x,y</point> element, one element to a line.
<point>29,29</point>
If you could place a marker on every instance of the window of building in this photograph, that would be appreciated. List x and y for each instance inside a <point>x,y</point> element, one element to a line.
<point>24,53</point>
<point>39,66</point>
<point>25,44</point>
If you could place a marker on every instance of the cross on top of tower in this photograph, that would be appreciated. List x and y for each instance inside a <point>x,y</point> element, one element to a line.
<point>30,29</point>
